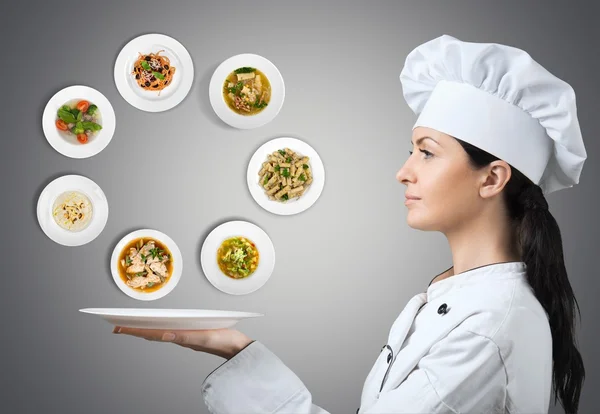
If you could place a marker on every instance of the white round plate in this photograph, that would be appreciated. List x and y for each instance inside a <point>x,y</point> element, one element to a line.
<point>266,261</point>
<point>176,319</point>
<point>146,100</point>
<point>72,183</point>
<point>293,206</point>
<point>175,255</point>
<point>68,145</point>
<point>217,100</point>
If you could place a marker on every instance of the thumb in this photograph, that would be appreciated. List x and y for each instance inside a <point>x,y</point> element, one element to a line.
<point>182,338</point>
<point>169,337</point>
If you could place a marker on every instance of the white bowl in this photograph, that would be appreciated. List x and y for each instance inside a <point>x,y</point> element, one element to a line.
<point>266,262</point>
<point>72,183</point>
<point>221,108</point>
<point>68,146</point>
<point>293,206</point>
<point>171,95</point>
<point>175,255</point>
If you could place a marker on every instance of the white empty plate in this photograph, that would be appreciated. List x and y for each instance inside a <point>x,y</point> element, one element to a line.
<point>67,144</point>
<point>217,100</point>
<point>69,184</point>
<point>148,100</point>
<point>186,319</point>
<point>170,283</point>
<point>266,261</point>
<point>295,205</point>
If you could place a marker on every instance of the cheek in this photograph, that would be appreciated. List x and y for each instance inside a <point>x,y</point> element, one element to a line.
<point>456,203</point>
<point>447,200</point>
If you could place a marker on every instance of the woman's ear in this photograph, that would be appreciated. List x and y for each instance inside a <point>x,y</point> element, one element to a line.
<point>495,177</point>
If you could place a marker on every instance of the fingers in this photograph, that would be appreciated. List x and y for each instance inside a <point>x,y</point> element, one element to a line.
<point>221,342</point>
<point>160,335</point>
<point>149,334</point>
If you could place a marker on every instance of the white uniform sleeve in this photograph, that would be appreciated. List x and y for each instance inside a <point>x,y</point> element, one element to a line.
<point>462,373</point>
<point>255,380</point>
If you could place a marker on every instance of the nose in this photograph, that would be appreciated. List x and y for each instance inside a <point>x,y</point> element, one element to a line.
<point>405,174</point>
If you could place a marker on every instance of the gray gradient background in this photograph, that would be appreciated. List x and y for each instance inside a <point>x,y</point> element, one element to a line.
<point>353,262</point>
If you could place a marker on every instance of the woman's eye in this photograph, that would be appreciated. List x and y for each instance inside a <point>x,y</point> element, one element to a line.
<point>427,153</point>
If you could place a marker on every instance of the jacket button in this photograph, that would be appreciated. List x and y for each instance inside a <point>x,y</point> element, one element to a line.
<point>443,309</point>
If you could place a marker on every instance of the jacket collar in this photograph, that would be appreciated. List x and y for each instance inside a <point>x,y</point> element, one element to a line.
<point>482,274</point>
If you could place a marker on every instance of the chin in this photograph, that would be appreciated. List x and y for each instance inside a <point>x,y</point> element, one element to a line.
<point>418,222</point>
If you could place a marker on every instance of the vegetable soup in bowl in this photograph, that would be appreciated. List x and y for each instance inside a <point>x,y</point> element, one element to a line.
<point>78,122</point>
<point>246,91</point>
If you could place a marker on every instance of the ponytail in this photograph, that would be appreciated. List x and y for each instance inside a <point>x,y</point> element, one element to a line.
<point>541,249</point>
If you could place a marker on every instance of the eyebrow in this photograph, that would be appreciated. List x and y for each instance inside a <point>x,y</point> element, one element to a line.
<point>422,138</point>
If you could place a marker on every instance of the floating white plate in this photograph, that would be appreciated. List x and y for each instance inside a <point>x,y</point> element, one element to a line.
<point>147,100</point>
<point>175,255</point>
<point>72,183</point>
<point>223,111</point>
<point>187,319</point>
<point>68,145</point>
<point>266,261</point>
<point>292,206</point>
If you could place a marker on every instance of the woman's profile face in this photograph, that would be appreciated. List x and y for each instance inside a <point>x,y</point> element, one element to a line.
<point>439,173</point>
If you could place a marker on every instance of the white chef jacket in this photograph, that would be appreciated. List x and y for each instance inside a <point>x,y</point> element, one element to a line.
<point>476,342</point>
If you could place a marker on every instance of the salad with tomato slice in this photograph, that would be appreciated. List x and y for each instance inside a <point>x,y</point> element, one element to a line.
<point>80,119</point>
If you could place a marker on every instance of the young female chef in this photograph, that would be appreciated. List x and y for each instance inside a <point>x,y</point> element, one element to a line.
<point>495,332</point>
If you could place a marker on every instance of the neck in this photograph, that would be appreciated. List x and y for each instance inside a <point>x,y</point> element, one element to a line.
<point>481,242</point>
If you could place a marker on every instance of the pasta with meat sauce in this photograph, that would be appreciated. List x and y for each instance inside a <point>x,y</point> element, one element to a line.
<point>285,175</point>
<point>153,71</point>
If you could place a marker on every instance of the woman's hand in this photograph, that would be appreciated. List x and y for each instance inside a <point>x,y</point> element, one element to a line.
<point>225,343</point>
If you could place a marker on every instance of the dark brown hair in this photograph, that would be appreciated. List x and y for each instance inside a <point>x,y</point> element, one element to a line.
<point>540,244</point>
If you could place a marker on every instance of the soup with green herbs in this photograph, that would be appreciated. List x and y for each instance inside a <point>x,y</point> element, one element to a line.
<point>247,91</point>
<point>237,257</point>
<point>145,264</point>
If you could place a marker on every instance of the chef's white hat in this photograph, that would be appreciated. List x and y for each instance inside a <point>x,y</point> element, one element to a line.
<point>500,100</point>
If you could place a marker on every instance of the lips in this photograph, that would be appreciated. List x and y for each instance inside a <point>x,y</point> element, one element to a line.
<point>411,197</point>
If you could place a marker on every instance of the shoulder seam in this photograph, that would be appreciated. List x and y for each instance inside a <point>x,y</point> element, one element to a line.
<point>512,297</point>
<point>499,354</point>
<point>489,340</point>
